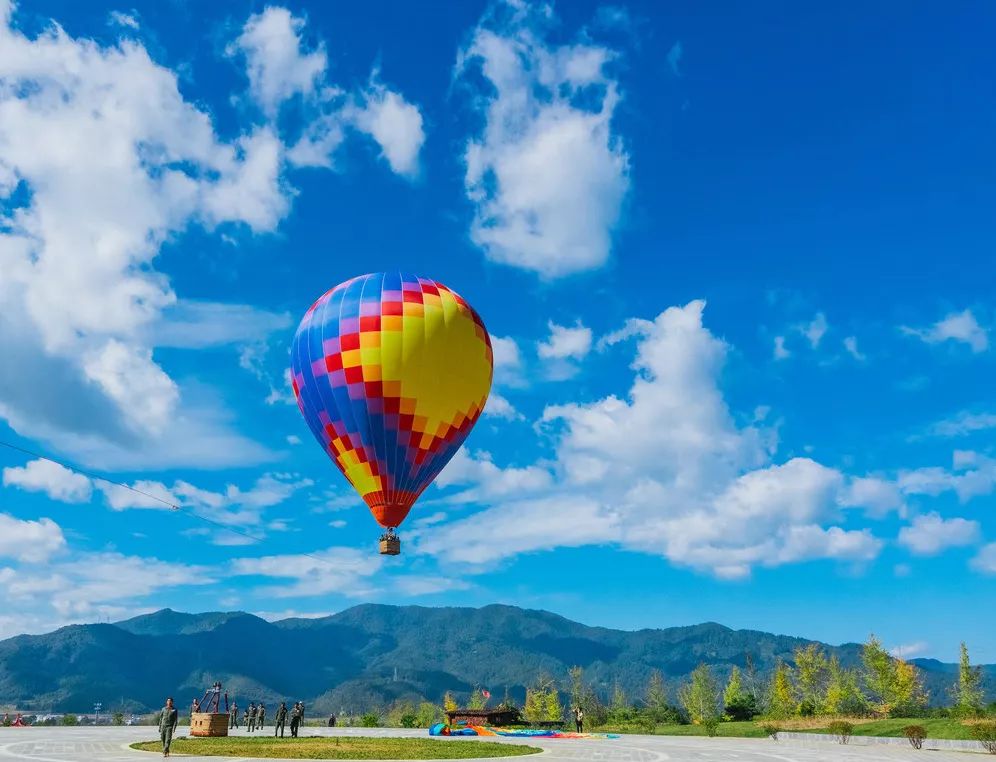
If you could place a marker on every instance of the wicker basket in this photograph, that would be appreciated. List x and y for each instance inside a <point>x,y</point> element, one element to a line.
<point>390,546</point>
<point>205,724</point>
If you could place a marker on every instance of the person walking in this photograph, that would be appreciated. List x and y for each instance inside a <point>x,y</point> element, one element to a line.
<point>281,719</point>
<point>253,713</point>
<point>168,719</point>
<point>579,719</point>
<point>260,715</point>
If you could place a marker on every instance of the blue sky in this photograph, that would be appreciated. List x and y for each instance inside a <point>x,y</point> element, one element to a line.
<point>737,264</point>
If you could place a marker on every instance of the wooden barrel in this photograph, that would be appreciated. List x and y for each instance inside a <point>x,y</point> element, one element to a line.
<point>390,546</point>
<point>208,725</point>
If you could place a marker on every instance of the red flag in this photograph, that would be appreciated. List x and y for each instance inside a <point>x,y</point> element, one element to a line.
<point>486,693</point>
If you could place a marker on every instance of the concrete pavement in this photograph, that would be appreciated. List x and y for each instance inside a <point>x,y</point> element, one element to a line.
<point>111,744</point>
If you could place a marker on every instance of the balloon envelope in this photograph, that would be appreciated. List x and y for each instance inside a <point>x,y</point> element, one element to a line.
<point>391,372</point>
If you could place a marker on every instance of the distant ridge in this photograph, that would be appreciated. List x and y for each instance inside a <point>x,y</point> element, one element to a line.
<point>349,660</point>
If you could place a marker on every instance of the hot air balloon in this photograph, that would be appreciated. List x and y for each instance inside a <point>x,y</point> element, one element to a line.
<point>391,372</point>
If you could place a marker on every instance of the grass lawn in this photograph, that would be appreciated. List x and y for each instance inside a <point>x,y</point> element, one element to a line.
<point>339,748</point>
<point>936,728</point>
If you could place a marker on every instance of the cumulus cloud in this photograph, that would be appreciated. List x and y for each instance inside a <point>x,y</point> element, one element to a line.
<point>970,475</point>
<point>342,570</point>
<point>547,174</point>
<point>780,351</point>
<point>930,534</point>
<point>962,424</point>
<point>394,123</point>
<point>29,541</point>
<point>112,161</point>
<point>851,346</point>
<point>814,330</point>
<point>985,560</point>
<point>565,342</point>
<point>666,470</point>
<point>277,64</point>
<point>56,481</point>
<point>960,327</point>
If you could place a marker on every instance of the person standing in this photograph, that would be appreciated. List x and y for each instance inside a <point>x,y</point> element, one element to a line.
<point>579,719</point>
<point>168,719</point>
<point>195,707</point>
<point>245,717</point>
<point>295,718</point>
<point>233,715</point>
<point>281,719</point>
<point>260,715</point>
<point>253,714</point>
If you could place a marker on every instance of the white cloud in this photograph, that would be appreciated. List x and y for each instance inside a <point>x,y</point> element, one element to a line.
<point>123,20</point>
<point>341,570</point>
<point>877,496</point>
<point>56,481</point>
<point>394,123</point>
<point>963,424</point>
<point>815,330</point>
<point>634,327</point>
<point>143,494</point>
<point>930,534</point>
<point>909,650</point>
<point>29,541</point>
<point>851,346</point>
<point>781,353</point>
<point>956,326</point>
<point>114,162</point>
<point>985,559</point>
<point>547,174</point>
<point>276,63</point>
<point>293,439</point>
<point>498,406</point>
<point>665,471</point>
<point>971,475</point>
<point>190,324</point>
<point>565,342</point>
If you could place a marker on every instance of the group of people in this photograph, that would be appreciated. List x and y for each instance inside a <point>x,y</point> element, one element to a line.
<point>17,723</point>
<point>254,717</point>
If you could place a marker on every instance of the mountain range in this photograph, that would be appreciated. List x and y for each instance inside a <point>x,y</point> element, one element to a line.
<point>370,655</point>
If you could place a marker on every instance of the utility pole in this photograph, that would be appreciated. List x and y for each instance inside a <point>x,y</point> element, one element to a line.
<point>96,713</point>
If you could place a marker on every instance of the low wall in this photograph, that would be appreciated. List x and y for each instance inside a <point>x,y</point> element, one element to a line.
<point>936,744</point>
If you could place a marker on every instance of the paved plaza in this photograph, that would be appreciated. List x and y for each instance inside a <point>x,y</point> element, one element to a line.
<point>111,743</point>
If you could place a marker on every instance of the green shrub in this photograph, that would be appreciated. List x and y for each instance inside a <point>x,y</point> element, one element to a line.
<point>741,709</point>
<point>711,725</point>
<point>118,718</point>
<point>409,720</point>
<point>369,720</point>
<point>646,722</point>
<point>841,730</point>
<point>70,719</point>
<point>916,735</point>
<point>771,730</point>
<point>985,734</point>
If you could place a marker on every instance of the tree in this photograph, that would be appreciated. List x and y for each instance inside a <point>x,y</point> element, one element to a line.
<point>620,712</point>
<point>895,685</point>
<point>879,673</point>
<point>427,715</point>
<point>449,703</point>
<point>700,696</point>
<point>476,700</point>
<point>584,696</point>
<point>656,699</point>
<point>811,676</point>
<point>738,704</point>
<point>968,694</point>
<point>843,693</point>
<point>118,718</point>
<point>781,699</point>
<point>553,710</point>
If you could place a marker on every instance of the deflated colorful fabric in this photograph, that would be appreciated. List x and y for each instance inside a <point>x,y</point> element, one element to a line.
<point>441,729</point>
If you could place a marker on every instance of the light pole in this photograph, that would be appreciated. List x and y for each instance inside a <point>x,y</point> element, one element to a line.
<point>96,713</point>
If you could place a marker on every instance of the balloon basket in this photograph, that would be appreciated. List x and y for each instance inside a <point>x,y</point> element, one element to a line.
<point>390,546</point>
<point>208,725</point>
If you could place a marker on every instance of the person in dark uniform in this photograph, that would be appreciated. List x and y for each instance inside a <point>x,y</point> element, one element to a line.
<point>245,716</point>
<point>579,719</point>
<point>253,713</point>
<point>332,720</point>
<point>281,719</point>
<point>168,718</point>
<point>295,718</point>
<point>260,715</point>
<point>233,715</point>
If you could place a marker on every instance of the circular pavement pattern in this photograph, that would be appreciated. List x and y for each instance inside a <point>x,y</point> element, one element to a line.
<point>111,744</point>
